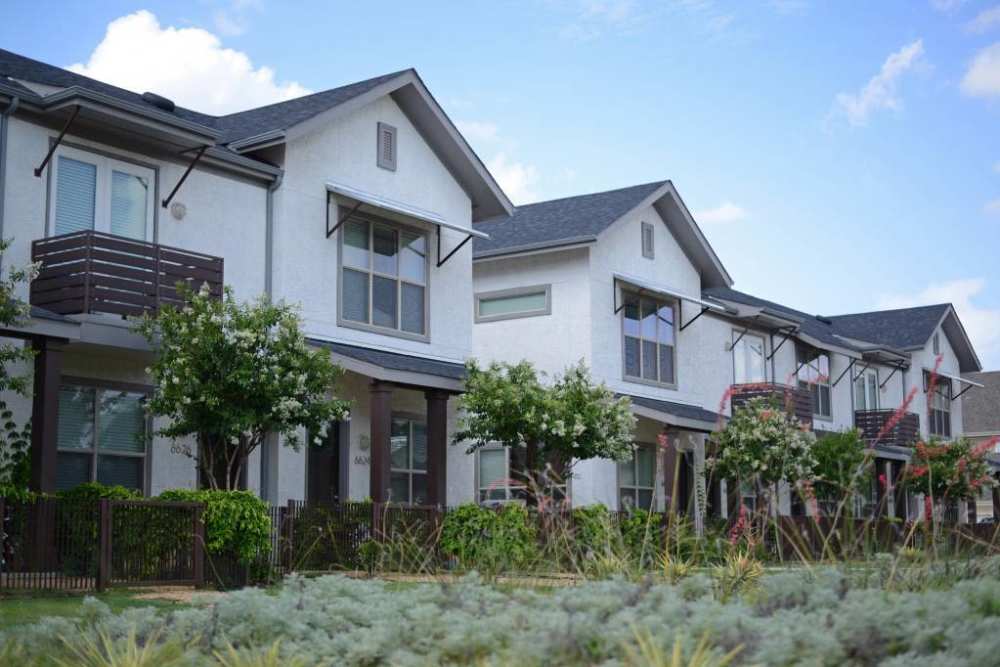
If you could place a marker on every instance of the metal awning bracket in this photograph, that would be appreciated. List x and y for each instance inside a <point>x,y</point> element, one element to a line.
<point>841,376</point>
<point>895,369</point>
<point>738,339</point>
<point>187,172</point>
<point>967,388</point>
<point>854,378</point>
<point>342,220</point>
<point>685,325</point>
<point>441,260</point>
<point>52,149</point>
<point>774,350</point>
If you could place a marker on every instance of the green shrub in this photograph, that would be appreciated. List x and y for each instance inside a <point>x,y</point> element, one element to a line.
<point>593,532</point>
<point>94,491</point>
<point>489,540</point>
<point>236,522</point>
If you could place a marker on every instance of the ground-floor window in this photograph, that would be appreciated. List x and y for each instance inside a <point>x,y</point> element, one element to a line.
<point>499,476</point>
<point>408,472</point>
<point>637,479</point>
<point>102,436</point>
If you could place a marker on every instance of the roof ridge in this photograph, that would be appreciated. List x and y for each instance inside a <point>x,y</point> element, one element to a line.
<point>892,310</point>
<point>593,194</point>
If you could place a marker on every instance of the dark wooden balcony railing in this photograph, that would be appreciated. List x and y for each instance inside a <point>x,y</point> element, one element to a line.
<point>796,400</point>
<point>882,427</point>
<point>91,272</point>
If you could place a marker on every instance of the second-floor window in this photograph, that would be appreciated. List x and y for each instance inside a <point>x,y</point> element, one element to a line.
<point>94,192</point>
<point>939,407</point>
<point>637,479</point>
<point>748,359</point>
<point>384,277</point>
<point>649,336</point>
<point>814,374</point>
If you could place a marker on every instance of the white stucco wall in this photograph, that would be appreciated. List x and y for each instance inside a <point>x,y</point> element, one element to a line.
<point>342,149</point>
<point>925,359</point>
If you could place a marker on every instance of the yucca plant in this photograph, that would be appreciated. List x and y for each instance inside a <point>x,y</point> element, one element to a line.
<point>647,652</point>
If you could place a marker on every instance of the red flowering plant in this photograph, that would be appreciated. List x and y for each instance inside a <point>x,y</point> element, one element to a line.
<point>949,470</point>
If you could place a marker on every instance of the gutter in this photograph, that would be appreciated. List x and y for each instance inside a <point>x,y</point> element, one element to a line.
<point>269,234</point>
<point>4,123</point>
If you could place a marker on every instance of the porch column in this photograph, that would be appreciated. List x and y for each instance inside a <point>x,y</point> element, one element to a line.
<point>45,414</point>
<point>381,431</point>
<point>675,481</point>
<point>437,447</point>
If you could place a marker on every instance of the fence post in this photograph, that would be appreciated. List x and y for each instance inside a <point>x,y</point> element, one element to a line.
<point>104,545</point>
<point>290,517</point>
<point>199,547</point>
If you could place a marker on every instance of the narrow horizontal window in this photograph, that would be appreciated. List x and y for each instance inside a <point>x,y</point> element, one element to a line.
<point>508,304</point>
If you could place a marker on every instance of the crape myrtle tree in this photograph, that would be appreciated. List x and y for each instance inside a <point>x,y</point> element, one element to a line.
<point>228,373</point>
<point>763,445</point>
<point>569,420</point>
<point>948,471</point>
<point>15,438</point>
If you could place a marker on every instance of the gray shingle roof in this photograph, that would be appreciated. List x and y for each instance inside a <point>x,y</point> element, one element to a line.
<point>981,406</point>
<point>240,125</point>
<point>559,221</point>
<point>681,410</point>
<point>902,328</point>
<point>394,361</point>
<point>811,325</point>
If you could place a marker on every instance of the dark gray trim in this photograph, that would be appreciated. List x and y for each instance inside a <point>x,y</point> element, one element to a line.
<point>621,338</point>
<point>650,251</point>
<point>542,246</point>
<point>4,124</point>
<point>381,159</point>
<point>269,234</point>
<point>511,292</point>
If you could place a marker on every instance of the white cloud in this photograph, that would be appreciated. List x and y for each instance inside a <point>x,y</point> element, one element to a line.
<point>880,91</point>
<point>986,20</point>
<point>188,65</point>
<point>982,324</point>
<point>478,131</point>
<point>996,167</point>
<point>992,207</point>
<point>594,18</point>
<point>947,6</point>
<point>518,179</point>
<point>983,76</point>
<point>787,7</point>
<point>727,212</point>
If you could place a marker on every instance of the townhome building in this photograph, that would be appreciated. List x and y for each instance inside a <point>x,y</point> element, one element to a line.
<point>365,206</point>
<point>625,281</point>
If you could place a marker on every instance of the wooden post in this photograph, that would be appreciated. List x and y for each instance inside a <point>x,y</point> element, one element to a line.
<point>290,516</point>
<point>104,545</point>
<point>199,548</point>
<point>45,414</point>
<point>437,447</point>
<point>381,432</point>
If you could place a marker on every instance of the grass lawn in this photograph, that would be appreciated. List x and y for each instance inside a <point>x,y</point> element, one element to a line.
<point>24,609</point>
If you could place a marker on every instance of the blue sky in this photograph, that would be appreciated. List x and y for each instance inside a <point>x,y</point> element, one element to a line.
<point>839,156</point>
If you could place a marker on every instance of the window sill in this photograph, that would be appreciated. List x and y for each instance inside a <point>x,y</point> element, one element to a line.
<point>649,383</point>
<point>384,331</point>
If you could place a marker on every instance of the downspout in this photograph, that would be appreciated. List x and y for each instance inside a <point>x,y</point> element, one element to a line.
<point>4,122</point>
<point>269,235</point>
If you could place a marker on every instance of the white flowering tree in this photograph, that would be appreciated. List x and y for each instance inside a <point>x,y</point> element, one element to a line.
<point>229,373</point>
<point>572,419</point>
<point>763,445</point>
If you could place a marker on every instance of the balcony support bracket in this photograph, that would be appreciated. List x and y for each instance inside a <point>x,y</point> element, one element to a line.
<point>187,172</point>
<point>841,376</point>
<point>55,144</point>
<point>441,260</point>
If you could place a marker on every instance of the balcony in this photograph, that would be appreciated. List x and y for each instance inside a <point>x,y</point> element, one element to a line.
<point>796,401</point>
<point>882,427</point>
<point>92,272</point>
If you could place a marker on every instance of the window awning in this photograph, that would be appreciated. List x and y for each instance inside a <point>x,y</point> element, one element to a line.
<point>377,201</point>
<point>644,285</point>
<point>969,384</point>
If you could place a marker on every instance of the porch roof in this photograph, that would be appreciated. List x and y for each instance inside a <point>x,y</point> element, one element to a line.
<point>675,414</point>
<point>396,367</point>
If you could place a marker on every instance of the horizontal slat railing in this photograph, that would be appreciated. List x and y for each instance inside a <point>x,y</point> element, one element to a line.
<point>886,427</point>
<point>92,272</point>
<point>796,400</point>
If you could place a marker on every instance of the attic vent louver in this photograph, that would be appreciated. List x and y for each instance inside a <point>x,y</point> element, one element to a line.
<point>386,147</point>
<point>159,102</point>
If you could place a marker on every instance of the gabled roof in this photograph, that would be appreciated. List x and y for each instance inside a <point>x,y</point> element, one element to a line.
<point>569,221</point>
<point>981,406</point>
<point>904,328</point>
<point>810,325</point>
<point>229,134</point>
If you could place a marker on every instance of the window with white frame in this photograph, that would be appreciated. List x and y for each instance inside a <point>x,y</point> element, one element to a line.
<point>101,436</point>
<point>814,374</point>
<point>637,479</point>
<point>408,461</point>
<point>866,390</point>
<point>513,303</point>
<point>748,358</point>
<point>649,335</point>
<point>939,406</point>
<point>384,277</point>
<point>499,476</point>
<point>89,191</point>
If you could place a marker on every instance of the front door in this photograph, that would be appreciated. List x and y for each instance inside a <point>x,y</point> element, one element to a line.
<point>323,465</point>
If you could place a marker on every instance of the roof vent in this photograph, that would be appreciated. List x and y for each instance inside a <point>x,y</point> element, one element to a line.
<point>824,320</point>
<point>159,102</point>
